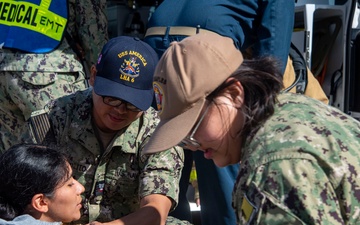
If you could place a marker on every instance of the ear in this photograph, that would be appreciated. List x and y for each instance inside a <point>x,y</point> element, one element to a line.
<point>92,75</point>
<point>39,202</point>
<point>236,92</point>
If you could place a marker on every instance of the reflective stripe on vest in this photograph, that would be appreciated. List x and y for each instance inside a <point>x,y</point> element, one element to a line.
<point>33,26</point>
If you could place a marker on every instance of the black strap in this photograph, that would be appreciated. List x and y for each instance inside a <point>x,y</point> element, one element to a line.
<point>300,68</point>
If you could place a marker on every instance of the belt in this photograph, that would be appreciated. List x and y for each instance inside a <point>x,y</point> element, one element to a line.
<point>186,31</point>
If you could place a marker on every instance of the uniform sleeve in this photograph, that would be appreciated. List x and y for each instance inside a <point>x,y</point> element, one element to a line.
<point>289,191</point>
<point>275,30</point>
<point>92,27</point>
<point>57,122</point>
<point>161,174</point>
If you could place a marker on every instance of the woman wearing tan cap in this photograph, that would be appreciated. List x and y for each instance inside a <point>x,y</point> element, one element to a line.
<point>299,158</point>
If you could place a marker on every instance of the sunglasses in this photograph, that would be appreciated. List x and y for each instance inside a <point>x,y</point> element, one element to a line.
<point>190,141</point>
<point>115,102</point>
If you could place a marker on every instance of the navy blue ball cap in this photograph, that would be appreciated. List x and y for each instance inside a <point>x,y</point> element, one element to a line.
<point>125,70</point>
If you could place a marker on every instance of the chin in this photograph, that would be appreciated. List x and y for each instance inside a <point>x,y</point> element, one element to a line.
<point>114,127</point>
<point>75,218</point>
<point>220,163</point>
<point>225,161</point>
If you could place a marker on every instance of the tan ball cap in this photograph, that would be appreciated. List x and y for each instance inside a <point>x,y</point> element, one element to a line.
<point>186,74</point>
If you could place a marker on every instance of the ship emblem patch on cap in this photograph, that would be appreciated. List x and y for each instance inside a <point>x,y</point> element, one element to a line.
<point>130,67</point>
<point>159,96</point>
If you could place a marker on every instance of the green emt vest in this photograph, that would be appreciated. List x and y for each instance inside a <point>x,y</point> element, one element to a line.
<point>35,26</point>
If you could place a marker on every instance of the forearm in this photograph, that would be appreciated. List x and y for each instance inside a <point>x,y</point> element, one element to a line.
<point>145,216</point>
<point>154,210</point>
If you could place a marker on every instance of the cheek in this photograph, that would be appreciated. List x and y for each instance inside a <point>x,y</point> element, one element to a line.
<point>99,115</point>
<point>134,115</point>
<point>70,209</point>
<point>65,206</point>
<point>211,131</point>
<point>98,111</point>
<point>98,107</point>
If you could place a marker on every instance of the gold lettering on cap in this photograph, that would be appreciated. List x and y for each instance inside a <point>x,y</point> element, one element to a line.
<point>138,55</point>
<point>126,78</point>
<point>122,54</point>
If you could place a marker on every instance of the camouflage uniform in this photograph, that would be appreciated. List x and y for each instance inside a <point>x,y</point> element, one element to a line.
<point>301,167</point>
<point>29,81</point>
<point>117,177</point>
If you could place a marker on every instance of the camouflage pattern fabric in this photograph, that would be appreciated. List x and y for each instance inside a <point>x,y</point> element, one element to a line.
<point>115,178</point>
<point>174,221</point>
<point>89,25</point>
<point>169,221</point>
<point>29,81</point>
<point>301,167</point>
<point>24,92</point>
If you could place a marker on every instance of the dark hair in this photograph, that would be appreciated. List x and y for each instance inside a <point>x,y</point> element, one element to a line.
<point>262,82</point>
<point>26,170</point>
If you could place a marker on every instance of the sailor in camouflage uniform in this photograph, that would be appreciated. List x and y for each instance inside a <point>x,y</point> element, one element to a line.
<point>29,81</point>
<point>299,158</point>
<point>104,129</point>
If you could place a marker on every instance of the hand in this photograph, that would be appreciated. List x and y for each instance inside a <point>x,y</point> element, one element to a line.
<point>197,201</point>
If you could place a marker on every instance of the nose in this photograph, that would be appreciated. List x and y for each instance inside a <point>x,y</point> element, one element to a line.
<point>79,187</point>
<point>121,108</point>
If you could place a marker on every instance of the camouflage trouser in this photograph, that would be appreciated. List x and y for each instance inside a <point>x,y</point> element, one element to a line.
<point>24,92</point>
<point>174,221</point>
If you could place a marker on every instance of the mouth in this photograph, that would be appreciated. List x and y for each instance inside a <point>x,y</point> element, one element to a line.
<point>116,118</point>
<point>208,153</point>
<point>81,202</point>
